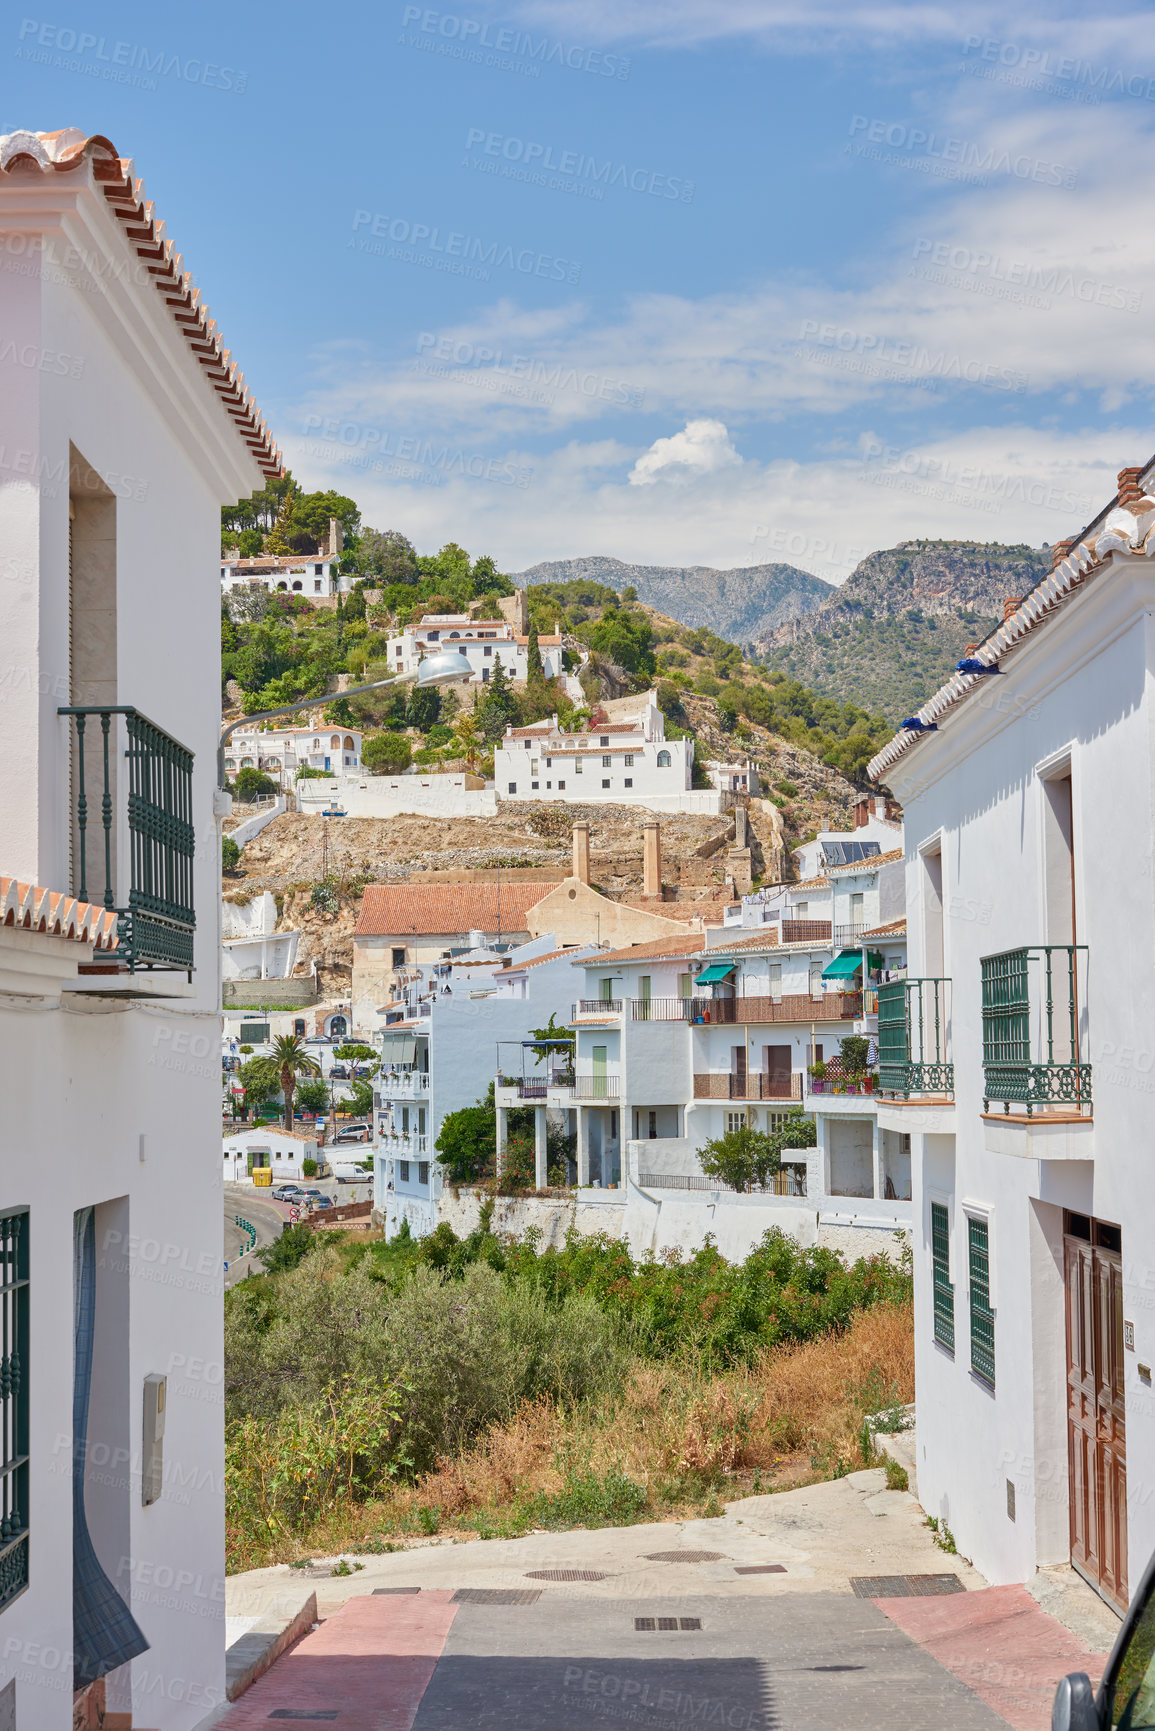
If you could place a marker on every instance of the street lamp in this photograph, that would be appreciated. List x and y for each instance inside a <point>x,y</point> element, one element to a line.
<point>439,669</point>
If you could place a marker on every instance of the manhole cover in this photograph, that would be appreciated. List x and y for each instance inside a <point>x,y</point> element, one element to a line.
<point>904,1586</point>
<point>645,1625</point>
<point>564,1575</point>
<point>378,1591</point>
<point>685,1557</point>
<point>496,1596</point>
<point>762,1569</point>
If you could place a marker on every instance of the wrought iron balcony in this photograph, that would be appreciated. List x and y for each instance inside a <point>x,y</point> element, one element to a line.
<point>914,1039</point>
<point>806,931</point>
<point>596,1086</point>
<point>156,923</point>
<point>596,1007</point>
<point>1034,1037</point>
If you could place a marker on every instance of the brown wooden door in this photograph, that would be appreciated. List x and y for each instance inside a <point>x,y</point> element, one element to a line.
<point>776,1061</point>
<point>1096,1421</point>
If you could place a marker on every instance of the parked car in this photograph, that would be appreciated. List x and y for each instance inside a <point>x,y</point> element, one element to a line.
<point>353,1133</point>
<point>339,1073</point>
<point>1126,1697</point>
<point>323,1202</point>
<point>286,1193</point>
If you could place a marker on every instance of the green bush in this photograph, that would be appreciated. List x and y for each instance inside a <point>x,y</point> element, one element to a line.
<point>252,784</point>
<point>589,1501</point>
<point>309,1167</point>
<point>386,754</point>
<point>312,1095</point>
<point>230,854</point>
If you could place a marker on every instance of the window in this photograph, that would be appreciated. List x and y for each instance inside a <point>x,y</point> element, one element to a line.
<point>399,958</point>
<point>932,911</point>
<point>484,675</point>
<point>316,587</point>
<point>653,1126</point>
<point>605,784</point>
<point>816,979</point>
<point>603,740</point>
<point>663,760</point>
<point>549,786</point>
<point>488,650</point>
<point>629,760</point>
<point>528,743</point>
<point>607,761</point>
<point>629,781</point>
<point>423,1172</point>
<point>775,982</point>
<point>513,787</point>
<point>577,765</point>
<point>403,1171</point>
<point>14,1404</point>
<point>734,1121</point>
<point>561,786</point>
<point>943,1290</point>
<point>549,763</point>
<point>533,786</point>
<point>982,1316</point>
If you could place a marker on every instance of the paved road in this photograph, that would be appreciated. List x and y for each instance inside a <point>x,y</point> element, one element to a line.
<point>269,1218</point>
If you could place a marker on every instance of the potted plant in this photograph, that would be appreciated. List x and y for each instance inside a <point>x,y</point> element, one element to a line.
<point>817,1077</point>
<point>870,1081</point>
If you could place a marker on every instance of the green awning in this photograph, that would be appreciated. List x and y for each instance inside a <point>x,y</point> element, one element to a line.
<point>715,972</point>
<point>843,966</point>
<point>398,1049</point>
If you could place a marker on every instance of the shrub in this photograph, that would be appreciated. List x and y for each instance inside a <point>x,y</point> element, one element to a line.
<point>252,784</point>
<point>852,1050</point>
<point>289,1250</point>
<point>309,1168</point>
<point>386,754</point>
<point>230,854</point>
<point>312,1095</point>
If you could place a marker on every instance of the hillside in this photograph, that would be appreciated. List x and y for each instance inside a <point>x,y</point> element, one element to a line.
<point>890,635</point>
<point>742,605</point>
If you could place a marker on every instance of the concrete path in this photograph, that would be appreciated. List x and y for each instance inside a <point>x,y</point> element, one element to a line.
<point>748,1621</point>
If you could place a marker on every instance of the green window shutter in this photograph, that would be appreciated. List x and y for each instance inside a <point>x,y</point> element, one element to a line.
<point>943,1290</point>
<point>982,1316</point>
<point>14,1409</point>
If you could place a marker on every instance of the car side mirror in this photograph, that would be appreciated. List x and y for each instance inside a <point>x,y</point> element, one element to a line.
<point>1074,1706</point>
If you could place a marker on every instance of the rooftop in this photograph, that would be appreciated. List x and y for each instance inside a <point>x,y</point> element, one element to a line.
<point>402,909</point>
<point>691,945</point>
<point>36,909</point>
<point>71,151</point>
<point>868,863</point>
<point>892,929</point>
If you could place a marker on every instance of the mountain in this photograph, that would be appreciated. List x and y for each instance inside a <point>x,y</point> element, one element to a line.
<point>741,605</point>
<point>890,635</point>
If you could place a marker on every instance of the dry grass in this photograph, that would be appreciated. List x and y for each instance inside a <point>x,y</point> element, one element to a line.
<point>794,1418</point>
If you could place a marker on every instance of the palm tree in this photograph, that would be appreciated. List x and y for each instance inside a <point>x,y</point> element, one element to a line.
<point>292,1060</point>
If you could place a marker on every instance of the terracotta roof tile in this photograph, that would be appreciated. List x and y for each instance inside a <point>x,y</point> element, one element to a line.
<point>68,150</point>
<point>871,860</point>
<point>892,929</point>
<point>397,909</point>
<point>33,908</point>
<point>689,912</point>
<point>691,945</point>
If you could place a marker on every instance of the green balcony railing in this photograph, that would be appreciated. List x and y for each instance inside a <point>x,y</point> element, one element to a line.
<point>1034,1005</point>
<point>914,1037</point>
<point>156,923</point>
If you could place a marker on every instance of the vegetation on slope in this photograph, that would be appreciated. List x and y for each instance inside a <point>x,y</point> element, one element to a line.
<point>375,1390</point>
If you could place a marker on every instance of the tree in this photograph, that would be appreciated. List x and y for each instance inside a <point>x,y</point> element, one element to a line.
<point>359,1100</point>
<point>467,1144</point>
<point>253,784</point>
<point>467,734</point>
<point>354,1052</point>
<point>230,854</point>
<point>423,707</point>
<point>738,1158</point>
<point>292,1060</point>
<point>533,666</point>
<point>386,754</point>
<point>304,524</point>
<point>387,555</point>
<point>312,1095</point>
<point>556,1042</point>
<point>488,580</point>
<point>498,708</point>
<point>250,542</point>
<point>289,1250</point>
<point>259,1079</point>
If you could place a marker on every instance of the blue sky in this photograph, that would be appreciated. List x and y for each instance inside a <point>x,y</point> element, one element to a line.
<point>697,281</point>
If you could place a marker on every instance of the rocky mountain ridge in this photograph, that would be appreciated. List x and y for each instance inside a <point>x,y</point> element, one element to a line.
<point>740,604</point>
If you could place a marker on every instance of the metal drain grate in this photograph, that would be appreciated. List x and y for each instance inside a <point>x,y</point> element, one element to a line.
<point>762,1569</point>
<point>685,1557</point>
<point>304,1713</point>
<point>904,1586</point>
<point>377,1591</point>
<point>496,1596</point>
<point>646,1625</point>
<point>564,1575</point>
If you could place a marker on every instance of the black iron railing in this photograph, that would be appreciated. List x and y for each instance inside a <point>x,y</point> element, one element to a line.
<point>13,1405</point>
<point>155,922</point>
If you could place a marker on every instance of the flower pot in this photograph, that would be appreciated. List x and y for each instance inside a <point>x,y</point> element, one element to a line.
<point>817,1087</point>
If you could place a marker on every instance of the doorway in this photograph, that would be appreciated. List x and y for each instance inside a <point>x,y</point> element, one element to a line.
<point>1096,1419</point>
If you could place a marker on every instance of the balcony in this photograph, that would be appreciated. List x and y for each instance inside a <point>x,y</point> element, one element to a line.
<point>538,1087</point>
<point>806,932</point>
<point>914,1039</point>
<point>596,1086</point>
<point>754,1085</point>
<point>136,853</point>
<point>1034,1033</point>
<point>403,1084</point>
<point>789,1007</point>
<point>787,1181</point>
<point>847,937</point>
<point>596,1009</point>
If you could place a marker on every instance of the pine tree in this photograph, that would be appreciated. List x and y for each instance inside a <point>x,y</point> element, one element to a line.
<point>533,666</point>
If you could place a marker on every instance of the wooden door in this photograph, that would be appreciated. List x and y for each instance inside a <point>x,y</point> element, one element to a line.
<point>1096,1420</point>
<point>776,1061</point>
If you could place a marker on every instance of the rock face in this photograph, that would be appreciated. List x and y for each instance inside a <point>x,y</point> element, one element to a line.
<point>890,635</point>
<point>742,604</point>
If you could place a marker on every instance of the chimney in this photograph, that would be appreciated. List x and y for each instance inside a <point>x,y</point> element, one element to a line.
<point>1011,605</point>
<point>336,538</point>
<point>970,648</point>
<point>862,812</point>
<point>652,860</point>
<point>581,852</point>
<point>1130,492</point>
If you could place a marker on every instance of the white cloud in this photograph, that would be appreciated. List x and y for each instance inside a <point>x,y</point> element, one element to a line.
<point>701,448</point>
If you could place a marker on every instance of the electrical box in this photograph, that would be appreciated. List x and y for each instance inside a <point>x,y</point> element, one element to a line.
<point>152,1451</point>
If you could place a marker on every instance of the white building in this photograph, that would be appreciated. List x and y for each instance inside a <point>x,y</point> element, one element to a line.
<point>739,777</point>
<point>251,946</point>
<point>481,643</point>
<point>279,751</point>
<point>877,829</point>
<point>438,1054</point>
<point>1029,818</point>
<point>111,1493</point>
<point>626,761</point>
<point>314,575</point>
